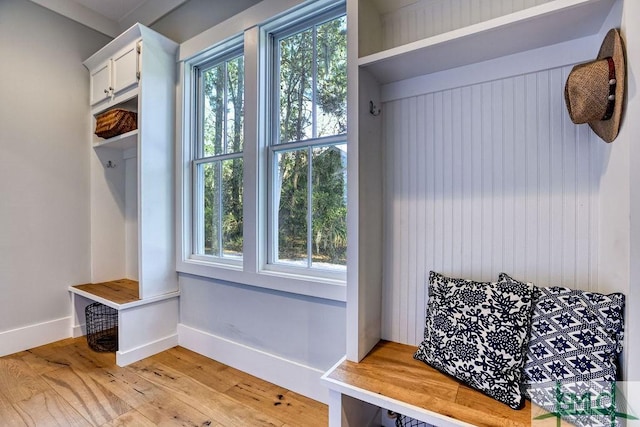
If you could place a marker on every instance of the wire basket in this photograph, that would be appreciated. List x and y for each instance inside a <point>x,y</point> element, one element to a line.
<point>404,421</point>
<point>102,327</point>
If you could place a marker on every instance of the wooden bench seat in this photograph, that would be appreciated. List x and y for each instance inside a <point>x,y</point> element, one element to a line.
<point>118,291</point>
<point>390,378</point>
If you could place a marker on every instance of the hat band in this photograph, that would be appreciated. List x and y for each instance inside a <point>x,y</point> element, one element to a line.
<point>611,99</point>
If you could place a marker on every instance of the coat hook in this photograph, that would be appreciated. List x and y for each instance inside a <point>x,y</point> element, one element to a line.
<point>110,165</point>
<point>373,109</point>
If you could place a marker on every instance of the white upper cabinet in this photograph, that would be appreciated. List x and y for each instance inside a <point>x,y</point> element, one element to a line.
<point>126,68</point>
<point>116,75</point>
<point>100,83</point>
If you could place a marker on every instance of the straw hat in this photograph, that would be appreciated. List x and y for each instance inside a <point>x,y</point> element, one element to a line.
<point>594,92</point>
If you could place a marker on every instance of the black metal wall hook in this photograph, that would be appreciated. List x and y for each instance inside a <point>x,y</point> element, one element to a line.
<point>373,109</point>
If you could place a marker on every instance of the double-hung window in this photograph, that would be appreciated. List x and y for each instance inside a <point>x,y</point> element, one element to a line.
<point>264,198</point>
<point>307,147</point>
<point>218,158</point>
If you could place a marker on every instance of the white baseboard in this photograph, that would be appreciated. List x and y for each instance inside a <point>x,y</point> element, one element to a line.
<point>31,336</point>
<point>78,331</point>
<point>124,358</point>
<point>291,375</point>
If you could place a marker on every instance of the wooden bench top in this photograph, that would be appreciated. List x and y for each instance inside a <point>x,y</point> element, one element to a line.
<point>390,372</point>
<point>120,291</point>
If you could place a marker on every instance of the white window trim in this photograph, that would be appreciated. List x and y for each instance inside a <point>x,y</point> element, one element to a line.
<point>254,271</point>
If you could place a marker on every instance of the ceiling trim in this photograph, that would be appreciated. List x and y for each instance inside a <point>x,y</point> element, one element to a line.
<point>146,14</point>
<point>83,15</point>
<point>149,12</point>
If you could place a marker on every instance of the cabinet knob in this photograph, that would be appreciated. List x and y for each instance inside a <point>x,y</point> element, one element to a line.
<point>106,91</point>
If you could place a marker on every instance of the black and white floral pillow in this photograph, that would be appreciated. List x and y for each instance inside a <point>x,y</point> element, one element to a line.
<point>478,333</point>
<point>576,338</point>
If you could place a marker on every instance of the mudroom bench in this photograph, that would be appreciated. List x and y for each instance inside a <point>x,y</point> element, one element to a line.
<point>390,378</point>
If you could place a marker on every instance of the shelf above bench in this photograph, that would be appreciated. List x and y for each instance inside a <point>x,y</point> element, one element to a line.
<point>122,142</point>
<point>544,25</point>
<point>390,378</point>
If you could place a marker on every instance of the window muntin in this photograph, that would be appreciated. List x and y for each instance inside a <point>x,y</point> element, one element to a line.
<point>311,213</point>
<point>312,82</point>
<point>308,216</point>
<point>218,163</point>
<point>222,89</point>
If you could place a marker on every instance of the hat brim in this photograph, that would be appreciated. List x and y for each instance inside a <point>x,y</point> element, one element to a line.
<point>612,46</point>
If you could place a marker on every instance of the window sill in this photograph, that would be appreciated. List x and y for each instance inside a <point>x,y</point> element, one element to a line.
<point>330,289</point>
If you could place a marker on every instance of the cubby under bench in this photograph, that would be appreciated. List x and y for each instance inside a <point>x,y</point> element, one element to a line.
<point>146,326</point>
<point>390,378</point>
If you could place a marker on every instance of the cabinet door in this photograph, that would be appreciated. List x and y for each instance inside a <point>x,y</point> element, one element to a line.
<point>100,82</point>
<point>125,69</point>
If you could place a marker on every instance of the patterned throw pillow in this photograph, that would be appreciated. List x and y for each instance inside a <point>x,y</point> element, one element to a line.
<point>576,338</point>
<point>478,332</point>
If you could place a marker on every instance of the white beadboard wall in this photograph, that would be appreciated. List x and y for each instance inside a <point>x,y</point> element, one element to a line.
<point>427,18</point>
<point>487,178</point>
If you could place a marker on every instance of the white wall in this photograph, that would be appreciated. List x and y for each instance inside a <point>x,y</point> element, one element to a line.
<point>487,178</point>
<point>289,340</point>
<point>44,171</point>
<point>301,329</point>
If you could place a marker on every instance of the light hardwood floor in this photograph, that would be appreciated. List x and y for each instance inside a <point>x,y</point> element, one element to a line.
<point>68,384</point>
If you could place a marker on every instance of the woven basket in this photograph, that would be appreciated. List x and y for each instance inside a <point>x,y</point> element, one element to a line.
<point>116,122</point>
